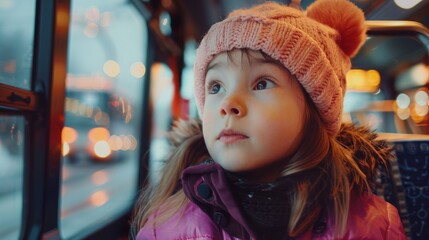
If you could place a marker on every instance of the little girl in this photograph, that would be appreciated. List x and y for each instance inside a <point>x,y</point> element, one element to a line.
<point>270,158</point>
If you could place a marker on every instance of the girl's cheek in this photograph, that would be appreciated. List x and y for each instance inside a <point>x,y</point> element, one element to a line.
<point>208,118</point>
<point>209,109</point>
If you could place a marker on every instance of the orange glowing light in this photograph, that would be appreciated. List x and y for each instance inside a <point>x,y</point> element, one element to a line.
<point>363,81</point>
<point>111,68</point>
<point>126,143</point>
<point>68,135</point>
<point>133,142</point>
<point>98,198</point>
<point>115,143</point>
<point>98,134</point>
<point>138,69</point>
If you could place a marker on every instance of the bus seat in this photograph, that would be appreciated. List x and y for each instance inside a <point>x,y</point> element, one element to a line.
<point>406,185</point>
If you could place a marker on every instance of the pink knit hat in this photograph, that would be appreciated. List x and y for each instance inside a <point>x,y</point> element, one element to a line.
<point>315,46</point>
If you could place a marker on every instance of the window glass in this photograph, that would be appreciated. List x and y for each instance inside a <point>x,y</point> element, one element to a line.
<point>388,86</point>
<point>11,175</point>
<point>16,42</point>
<point>101,137</point>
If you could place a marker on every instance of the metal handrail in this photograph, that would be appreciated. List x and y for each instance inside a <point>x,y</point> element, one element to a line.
<point>388,27</point>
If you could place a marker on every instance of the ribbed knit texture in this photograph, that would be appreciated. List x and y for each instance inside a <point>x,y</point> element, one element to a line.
<point>310,50</point>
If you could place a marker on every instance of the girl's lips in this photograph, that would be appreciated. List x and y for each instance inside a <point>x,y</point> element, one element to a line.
<point>230,136</point>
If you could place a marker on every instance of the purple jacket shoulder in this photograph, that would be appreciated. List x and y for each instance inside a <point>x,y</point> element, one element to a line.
<point>370,217</point>
<point>191,224</point>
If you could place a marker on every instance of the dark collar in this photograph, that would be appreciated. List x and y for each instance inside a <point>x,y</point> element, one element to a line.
<point>243,209</point>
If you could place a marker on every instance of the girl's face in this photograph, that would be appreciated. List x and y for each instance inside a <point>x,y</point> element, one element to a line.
<point>253,113</point>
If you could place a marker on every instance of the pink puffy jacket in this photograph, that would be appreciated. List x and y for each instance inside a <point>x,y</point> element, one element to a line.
<point>370,217</point>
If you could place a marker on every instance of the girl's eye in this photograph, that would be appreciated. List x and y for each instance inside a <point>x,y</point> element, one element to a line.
<point>214,88</point>
<point>264,84</point>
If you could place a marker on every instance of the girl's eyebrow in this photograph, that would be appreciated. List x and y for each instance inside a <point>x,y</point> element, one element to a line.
<point>252,60</point>
<point>214,65</point>
<point>264,60</point>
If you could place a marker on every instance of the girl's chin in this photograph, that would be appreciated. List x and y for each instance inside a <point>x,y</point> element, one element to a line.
<point>236,168</point>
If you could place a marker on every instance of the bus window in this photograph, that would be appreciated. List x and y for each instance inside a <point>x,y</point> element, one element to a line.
<point>11,175</point>
<point>103,108</point>
<point>17,22</point>
<point>16,42</point>
<point>387,87</point>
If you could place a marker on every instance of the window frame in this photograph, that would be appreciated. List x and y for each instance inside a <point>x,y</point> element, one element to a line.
<point>43,109</point>
<point>42,162</point>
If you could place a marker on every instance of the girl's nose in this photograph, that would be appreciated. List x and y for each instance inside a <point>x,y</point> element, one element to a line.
<point>232,107</point>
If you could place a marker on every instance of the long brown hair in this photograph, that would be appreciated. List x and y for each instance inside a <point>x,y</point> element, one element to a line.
<point>166,197</point>
<point>333,167</point>
<point>324,163</point>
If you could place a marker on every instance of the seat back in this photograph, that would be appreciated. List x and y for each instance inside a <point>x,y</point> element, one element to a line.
<point>406,186</point>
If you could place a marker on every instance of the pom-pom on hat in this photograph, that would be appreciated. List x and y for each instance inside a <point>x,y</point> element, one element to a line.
<point>315,46</point>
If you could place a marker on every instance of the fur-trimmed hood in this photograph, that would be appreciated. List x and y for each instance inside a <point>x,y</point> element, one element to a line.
<point>370,153</point>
